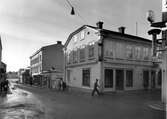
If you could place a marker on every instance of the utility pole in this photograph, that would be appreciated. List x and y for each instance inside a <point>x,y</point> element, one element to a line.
<point>156,29</point>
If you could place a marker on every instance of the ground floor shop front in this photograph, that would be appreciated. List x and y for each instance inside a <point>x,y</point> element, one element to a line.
<point>114,77</point>
<point>47,79</point>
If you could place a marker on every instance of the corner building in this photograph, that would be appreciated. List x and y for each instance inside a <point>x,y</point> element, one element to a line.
<point>120,61</point>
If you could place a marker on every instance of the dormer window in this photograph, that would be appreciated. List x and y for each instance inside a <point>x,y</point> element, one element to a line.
<point>75,38</point>
<point>82,35</point>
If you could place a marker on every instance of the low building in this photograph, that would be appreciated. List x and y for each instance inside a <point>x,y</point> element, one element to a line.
<point>12,75</point>
<point>44,60</point>
<point>20,75</point>
<point>120,61</point>
<point>26,76</point>
<point>3,71</point>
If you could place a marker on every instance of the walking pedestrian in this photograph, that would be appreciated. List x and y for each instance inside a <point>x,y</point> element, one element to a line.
<point>95,88</point>
<point>64,85</point>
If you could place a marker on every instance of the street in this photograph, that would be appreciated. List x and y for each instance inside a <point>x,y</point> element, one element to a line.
<point>28,102</point>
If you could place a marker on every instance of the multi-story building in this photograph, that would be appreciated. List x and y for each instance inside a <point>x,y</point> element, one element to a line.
<point>44,61</point>
<point>2,65</point>
<point>120,61</point>
<point>0,51</point>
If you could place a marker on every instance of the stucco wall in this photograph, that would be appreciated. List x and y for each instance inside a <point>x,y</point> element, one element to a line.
<point>76,75</point>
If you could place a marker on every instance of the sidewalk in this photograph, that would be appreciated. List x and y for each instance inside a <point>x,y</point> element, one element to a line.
<point>158,106</point>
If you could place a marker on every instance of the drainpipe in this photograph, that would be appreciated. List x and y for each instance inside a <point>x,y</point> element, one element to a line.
<point>101,60</point>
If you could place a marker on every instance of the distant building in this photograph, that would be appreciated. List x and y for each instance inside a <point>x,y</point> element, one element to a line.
<point>12,75</point>
<point>26,76</point>
<point>47,59</point>
<point>20,72</point>
<point>120,61</point>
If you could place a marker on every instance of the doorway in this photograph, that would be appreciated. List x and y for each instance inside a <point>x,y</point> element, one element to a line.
<point>153,76</point>
<point>119,79</point>
<point>146,79</point>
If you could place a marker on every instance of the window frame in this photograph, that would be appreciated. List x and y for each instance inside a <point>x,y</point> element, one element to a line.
<point>86,77</point>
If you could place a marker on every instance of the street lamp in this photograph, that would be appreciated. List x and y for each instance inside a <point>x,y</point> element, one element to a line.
<point>154,32</point>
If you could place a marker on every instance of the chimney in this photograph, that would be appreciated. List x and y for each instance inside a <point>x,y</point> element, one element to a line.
<point>99,25</point>
<point>122,29</point>
<point>59,42</point>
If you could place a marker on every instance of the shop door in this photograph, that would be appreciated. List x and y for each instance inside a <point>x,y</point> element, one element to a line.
<point>153,74</point>
<point>119,79</point>
<point>146,79</point>
<point>108,82</point>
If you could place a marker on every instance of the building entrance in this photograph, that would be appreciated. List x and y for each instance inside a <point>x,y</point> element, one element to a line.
<point>108,82</point>
<point>119,79</point>
<point>153,76</point>
<point>146,79</point>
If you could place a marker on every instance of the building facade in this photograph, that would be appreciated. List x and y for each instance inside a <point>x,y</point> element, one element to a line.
<point>120,61</point>
<point>48,58</point>
<point>2,65</point>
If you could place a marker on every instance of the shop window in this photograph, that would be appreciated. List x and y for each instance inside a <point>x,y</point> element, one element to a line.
<point>129,78</point>
<point>108,82</point>
<point>86,77</point>
<point>159,78</point>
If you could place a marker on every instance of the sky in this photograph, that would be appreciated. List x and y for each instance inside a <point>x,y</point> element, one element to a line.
<point>27,25</point>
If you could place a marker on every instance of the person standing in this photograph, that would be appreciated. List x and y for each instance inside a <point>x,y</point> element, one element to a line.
<point>95,88</point>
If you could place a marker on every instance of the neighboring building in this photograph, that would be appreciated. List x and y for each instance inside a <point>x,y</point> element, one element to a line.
<point>26,76</point>
<point>2,65</point>
<point>46,59</point>
<point>12,75</point>
<point>120,61</point>
<point>2,71</point>
<point>0,51</point>
<point>164,46</point>
<point>20,72</point>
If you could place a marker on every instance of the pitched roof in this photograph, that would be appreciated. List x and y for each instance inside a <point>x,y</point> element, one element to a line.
<point>44,47</point>
<point>104,32</point>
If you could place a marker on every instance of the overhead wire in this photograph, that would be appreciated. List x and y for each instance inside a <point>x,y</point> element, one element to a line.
<point>76,11</point>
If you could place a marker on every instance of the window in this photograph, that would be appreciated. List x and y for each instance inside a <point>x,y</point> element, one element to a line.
<point>68,75</point>
<point>70,57</point>
<point>40,57</point>
<point>146,53</point>
<point>137,52</point>
<point>82,35</point>
<point>75,57</point>
<point>108,82</point>
<point>82,54</point>
<point>159,78</point>
<point>129,78</point>
<point>91,50</point>
<point>86,77</point>
<point>75,38</point>
<point>129,53</point>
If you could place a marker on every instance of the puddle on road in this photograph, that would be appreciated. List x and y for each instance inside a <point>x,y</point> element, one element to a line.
<point>21,105</point>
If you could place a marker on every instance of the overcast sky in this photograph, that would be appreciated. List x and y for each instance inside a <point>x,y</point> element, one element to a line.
<point>27,25</point>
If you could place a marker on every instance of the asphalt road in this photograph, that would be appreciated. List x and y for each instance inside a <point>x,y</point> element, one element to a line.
<point>80,105</point>
<point>25,102</point>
